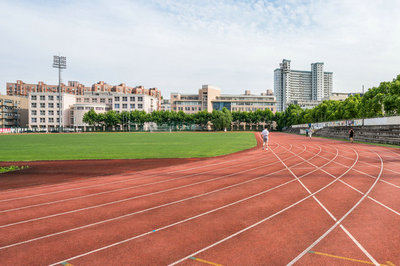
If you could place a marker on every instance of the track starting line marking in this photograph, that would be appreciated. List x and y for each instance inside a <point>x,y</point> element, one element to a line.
<point>388,263</point>
<point>205,261</point>
<point>66,263</point>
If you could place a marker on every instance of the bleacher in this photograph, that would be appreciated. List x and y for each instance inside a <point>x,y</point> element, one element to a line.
<point>387,134</point>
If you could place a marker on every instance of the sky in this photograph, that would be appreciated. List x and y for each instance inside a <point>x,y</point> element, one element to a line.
<point>180,45</point>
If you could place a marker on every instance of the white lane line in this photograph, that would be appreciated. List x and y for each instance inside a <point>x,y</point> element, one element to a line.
<point>302,184</point>
<point>194,217</point>
<point>383,205</point>
<point>130,198</point>
<point>128,188</point>
<point>133,178</point>
<point>259,222</point>
<point>351,237</point>
<point>361,172</point>
<point>339,222</point>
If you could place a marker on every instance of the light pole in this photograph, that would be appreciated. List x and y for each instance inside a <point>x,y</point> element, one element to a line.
<point>59,62</point>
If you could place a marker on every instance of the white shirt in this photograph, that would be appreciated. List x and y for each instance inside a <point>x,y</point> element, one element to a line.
<point>265,133</point>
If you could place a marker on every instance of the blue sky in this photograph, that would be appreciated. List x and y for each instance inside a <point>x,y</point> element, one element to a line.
<point>181,45</point>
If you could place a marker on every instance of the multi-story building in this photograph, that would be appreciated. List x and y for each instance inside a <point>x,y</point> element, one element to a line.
<point>23,89</point>
<point>44,110</point>
<point>192,103</point>
<point>44,107</point>
<point>291,86</point>
<point>13,111</point>
<point>74,87</point>
<point>210,98</point>
<point>245,102</point>
<point>165,105</point>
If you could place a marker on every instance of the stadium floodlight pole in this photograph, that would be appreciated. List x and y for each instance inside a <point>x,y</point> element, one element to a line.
<point>59,62</point>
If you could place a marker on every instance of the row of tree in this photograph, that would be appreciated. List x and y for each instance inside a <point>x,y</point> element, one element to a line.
<point>219,120</point>
<point>383,100</point>
<point>377,101</point>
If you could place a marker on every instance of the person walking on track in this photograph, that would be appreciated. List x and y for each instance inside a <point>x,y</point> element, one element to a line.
<point>351,135</point>
<point>264,135</point>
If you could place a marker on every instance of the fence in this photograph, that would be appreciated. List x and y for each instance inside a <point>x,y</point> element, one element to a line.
<point>376,121</point>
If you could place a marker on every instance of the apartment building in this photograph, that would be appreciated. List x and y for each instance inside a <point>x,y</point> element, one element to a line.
<point>292,86</point>
<point>43,113</point>
<point>210,98</point>
<point>74,87</point>
<point>23,89</point>
<point>13,111</point>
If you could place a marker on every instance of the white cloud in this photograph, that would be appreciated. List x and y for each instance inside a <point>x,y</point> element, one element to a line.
<point>180,45</point>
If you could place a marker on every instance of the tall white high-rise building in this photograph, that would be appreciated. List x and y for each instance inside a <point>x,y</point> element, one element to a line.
<point>306,88</point>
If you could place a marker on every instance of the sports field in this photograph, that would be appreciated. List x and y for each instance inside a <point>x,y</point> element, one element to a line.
<point>302,202</point>
<point>36,147</point>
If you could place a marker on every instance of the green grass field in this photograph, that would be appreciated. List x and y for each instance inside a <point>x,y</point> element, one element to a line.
<point>37,147</point>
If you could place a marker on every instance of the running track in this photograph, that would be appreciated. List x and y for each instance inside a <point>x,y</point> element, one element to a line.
<point>303,202</point>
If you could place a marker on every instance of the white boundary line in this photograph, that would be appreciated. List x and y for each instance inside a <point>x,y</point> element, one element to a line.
<point>191,218</point>
<point>128,173</point>
<point>170,203</point>
<point>130,198</point>
<point>133,178</point>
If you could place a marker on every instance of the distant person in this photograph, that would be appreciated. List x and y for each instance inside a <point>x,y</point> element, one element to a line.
<point>264,135</point>
<point>310,133</point>
<point>306,132</point>
<point>351,135</point>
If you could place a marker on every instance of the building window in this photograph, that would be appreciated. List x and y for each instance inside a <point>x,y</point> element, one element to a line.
<point>42,120</point>
<point>51,97</point>
<point>110,100</point>
<point>132,99</point>
<point>116,99</point>
<point>58,120</point>
<point>140,99</point>
<point>51,120</point>
<point>102,100</point>
<point>124,106</point>
<point>99,108</point>
<point>42,97</point>
<point>80,108</point>
<point>116,106</point>
<point>86,100</point>
<point>140,106</point>
<point>33,112</point>
<point>51,112</point>
<point>58,113</point>
<point>33,97</point>
<point>132,106</point>
<point>34,105</point>
<point>42,112</point>
<point>94,100</point>
<point>51,105</point>
<point>78,100</point>
<point>42,105</point>
<point>34,120</point>
<point>124,99</point>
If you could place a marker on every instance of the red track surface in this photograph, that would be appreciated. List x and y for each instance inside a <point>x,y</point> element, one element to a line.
<point>305,202</point>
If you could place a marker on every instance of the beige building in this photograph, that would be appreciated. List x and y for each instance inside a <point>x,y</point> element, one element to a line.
<point>13,111</point>
<point>210,98</point>
<point>192,103</point>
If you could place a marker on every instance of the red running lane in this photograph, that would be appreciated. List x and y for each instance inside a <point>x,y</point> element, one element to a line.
<point>188,226</point>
